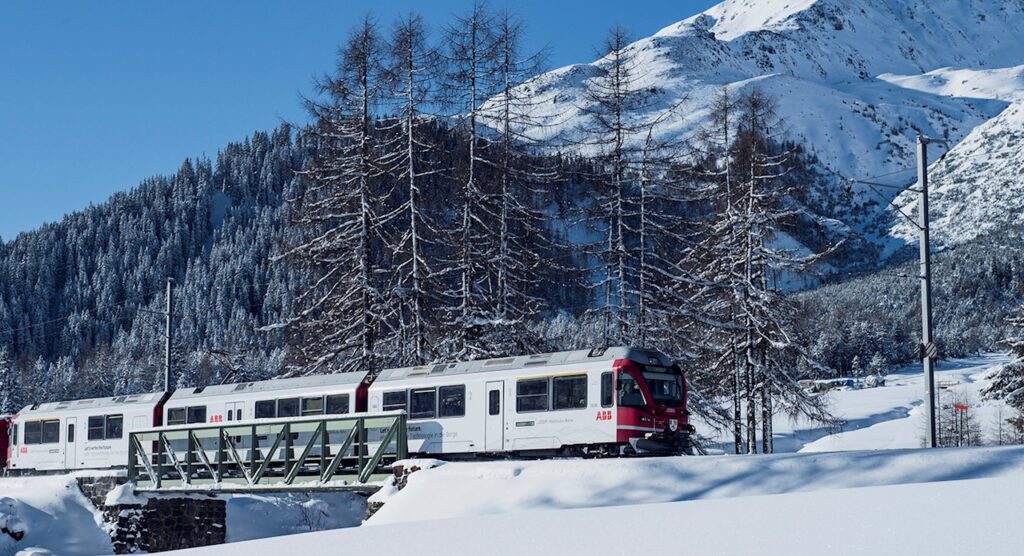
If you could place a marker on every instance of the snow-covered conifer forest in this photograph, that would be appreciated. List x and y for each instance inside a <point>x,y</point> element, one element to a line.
<point>693,191</point>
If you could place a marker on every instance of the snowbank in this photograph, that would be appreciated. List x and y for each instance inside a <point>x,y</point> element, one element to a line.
<point>470,489</point>
<point>47,515</point>
<point>961,517</point>
<point>53,515</point>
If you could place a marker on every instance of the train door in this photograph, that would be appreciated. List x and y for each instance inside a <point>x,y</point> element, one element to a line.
<point>494,435</point>
<point>233,411</point>
<point>70,441</point>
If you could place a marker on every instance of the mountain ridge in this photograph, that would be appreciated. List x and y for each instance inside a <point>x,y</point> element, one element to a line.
<point>847,77</point>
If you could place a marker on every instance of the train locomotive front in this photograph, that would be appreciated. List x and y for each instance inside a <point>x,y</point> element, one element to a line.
<point>652,417</point>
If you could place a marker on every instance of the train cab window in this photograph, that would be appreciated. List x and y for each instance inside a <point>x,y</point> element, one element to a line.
<point>337,404</point>
<point>569,392</point>
<point>607,390</point>
<point>288,407</point>
<point>266,409</point>
<point>494,402</point>
<point>629,392</point>
<point>423,403</point>
<point>451,401</point>
<point>312,406</point>
<point>197,414</point>
<point>175,416</point>
<point>71,432</point>
<point>394,401</point>
<point>51,432</point>
<point>115,426</point>
<point>532,395</point>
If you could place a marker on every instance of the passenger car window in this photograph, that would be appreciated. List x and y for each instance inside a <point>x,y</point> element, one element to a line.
<point>176,416</point>
<point>51,432</point>
<point>423,403</point>
<point>197,414</point>
<point>312,406</point>
<point>266,409</point>
<point>570,392</point>
<point>337,404</point>
<point>288,407</point>
<point>115,426</point>
<point>34,432</point>
<point>96,428</point>
<point>394,401</point>
<point>451,401</point>
<point>532,395</point>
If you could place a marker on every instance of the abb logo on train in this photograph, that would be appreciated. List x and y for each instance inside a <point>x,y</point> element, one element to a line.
<point>607,401</point>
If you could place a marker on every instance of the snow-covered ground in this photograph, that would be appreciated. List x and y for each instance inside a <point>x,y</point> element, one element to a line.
<point>888,417</point>
<point>959,517</point>
<point>838,493</point>
<point>53,517</point>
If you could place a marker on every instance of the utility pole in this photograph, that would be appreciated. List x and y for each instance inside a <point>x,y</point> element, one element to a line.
<point>168,336</point>
<point>927,347</point>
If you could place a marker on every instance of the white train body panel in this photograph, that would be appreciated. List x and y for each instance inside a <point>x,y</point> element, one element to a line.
<point>512,405</point>
<point>238,402</point>
<point>57,435</point>
<point>573,416</point>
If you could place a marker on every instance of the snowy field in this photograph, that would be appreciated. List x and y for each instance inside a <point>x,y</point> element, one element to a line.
<point>866,489</point>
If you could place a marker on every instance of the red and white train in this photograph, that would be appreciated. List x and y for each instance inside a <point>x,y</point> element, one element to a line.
<point>607,401</point>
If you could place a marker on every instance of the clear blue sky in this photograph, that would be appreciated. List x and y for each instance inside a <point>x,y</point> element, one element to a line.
<point>96,96</point>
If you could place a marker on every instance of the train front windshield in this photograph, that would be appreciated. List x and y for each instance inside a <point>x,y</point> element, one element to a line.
<point>666,385</point>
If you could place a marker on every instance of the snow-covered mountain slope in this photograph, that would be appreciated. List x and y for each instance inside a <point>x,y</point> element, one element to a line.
<point>854,80</point>
<point>978,187</point>
<point>999,84</point>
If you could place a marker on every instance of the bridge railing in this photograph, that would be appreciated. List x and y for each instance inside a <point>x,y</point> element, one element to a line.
<point>317,451</point>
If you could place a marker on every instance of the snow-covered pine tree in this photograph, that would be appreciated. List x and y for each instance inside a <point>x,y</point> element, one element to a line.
<point>877,364</point>
<point>471,60</point>
<point>718,259</point>
<point>11,400</point>
<point>515,198</point>
<point>856,368</point>
<point>1007,383</point>
<point>412,69</point>
<point>336,319</point>
<point>742,285</point>
<point>610,130</point>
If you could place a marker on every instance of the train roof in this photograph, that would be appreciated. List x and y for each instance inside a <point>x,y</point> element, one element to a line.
<point>311,381</point>
<point>644,356</point>
<point>90,403</point>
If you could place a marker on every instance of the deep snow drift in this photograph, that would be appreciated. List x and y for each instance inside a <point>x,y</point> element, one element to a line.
<point>520,508</point>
